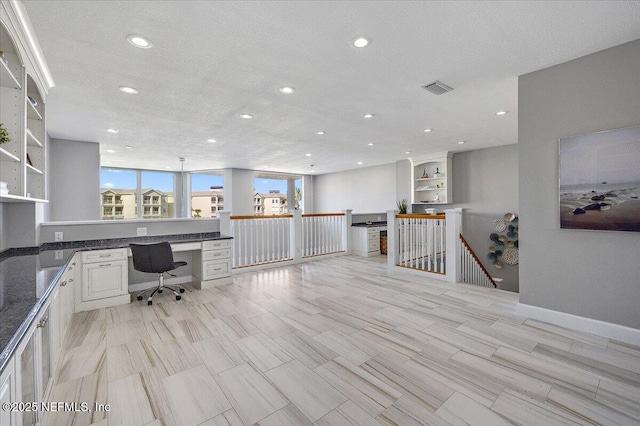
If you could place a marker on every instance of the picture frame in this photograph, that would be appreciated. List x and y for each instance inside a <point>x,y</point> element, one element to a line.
<point>599,181</point>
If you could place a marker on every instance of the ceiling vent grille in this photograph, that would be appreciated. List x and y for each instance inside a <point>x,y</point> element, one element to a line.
<point>437,88</point>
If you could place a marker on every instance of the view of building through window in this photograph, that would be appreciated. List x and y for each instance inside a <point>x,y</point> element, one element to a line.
<point>207,194</point>
<point>119,194</point>
<point>270,195</point>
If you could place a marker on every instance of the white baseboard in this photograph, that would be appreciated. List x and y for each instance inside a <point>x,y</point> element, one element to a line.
<point>167,281</point>
<point>575,322</point>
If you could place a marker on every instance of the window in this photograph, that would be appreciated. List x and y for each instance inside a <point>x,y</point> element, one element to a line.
<point>119,187</point>
<point>271,189</point>
<point>207,193</point>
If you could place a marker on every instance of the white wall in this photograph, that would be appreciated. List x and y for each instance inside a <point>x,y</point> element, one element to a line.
<point>74,180</point>
<point>365,190</point>
<point>485,185</point>
<point>238,191</point>
<point>593,274</point>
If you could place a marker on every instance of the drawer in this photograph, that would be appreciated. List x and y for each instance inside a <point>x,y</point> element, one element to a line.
<point>216,244</point>
<point>104,255</point>
<point>213,269</point>
<point>374,245</point>
<point>216,254</point>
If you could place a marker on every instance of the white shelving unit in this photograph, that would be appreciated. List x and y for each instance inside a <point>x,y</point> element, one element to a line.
<point>23,157</point>
<point>431,179</point>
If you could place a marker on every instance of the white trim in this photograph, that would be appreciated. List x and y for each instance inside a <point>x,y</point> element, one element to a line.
<point>586,325</point>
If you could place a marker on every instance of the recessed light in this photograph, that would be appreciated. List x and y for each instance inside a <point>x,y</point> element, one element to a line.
<point>287,90</point>
<point>211,140</point>
<point>110,151</point>
<point>361,41</point>
<point>128,147</point>
<point>246,116</point>
<point>371,144</point>
<point>407,152</point>
<point>140,42</point>
<point>368,115</point>
<point>428,130</point>
<point>501,112</point>
<point>461,142</point>
<point>167,167</point>
<point>321,132</point>
<point>114,131</point>
<point>307,155</point>
<point>129,90</point>
<point>359,162</point>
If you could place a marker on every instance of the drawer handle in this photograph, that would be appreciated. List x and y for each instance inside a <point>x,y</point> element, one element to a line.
<point>105,264</point>
<point>63,283</point>
<point>43,322</point>
<point>217,255</point>
<point>217,269</point>
<point>105,255</point>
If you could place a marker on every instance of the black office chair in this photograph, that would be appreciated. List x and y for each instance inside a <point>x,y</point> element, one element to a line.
<point>155,258</point>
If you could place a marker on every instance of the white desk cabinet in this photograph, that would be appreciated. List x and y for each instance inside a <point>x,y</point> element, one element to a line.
<point>104,279</point>
<point>366,240</point>
<point>212,265</point>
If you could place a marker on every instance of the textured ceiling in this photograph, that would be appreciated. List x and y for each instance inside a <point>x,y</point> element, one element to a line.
<point>212,61</point>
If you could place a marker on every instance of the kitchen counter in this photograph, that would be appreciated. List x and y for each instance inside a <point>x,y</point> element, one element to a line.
<point>369,225</point>
<point>28,275</point>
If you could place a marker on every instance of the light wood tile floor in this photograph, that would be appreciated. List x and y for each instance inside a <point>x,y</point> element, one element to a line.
<point>340,341</point>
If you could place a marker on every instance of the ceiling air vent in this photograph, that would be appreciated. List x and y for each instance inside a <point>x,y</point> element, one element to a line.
<point>437,88</point>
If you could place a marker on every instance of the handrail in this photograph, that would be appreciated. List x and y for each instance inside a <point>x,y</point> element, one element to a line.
<point>322,214</point>
<point>421,216</point>
<point>473,254</point>
<point>279,216</point>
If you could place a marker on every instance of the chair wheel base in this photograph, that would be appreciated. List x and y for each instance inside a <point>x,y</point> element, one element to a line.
<point>139,297</point>
<point>159,291</point>
<point>182,290</point>
<point>150,303</point>
<point>178,297</point>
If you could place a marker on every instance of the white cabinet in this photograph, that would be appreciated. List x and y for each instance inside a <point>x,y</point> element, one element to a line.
<point>22,113</point>
<point>431,179</point>
<point>366,240</point>
<point>212,265</point>
<point>104,279</point>
<point>8,393</point>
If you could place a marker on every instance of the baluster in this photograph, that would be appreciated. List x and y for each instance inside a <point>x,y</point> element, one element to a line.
<point>443,248</point>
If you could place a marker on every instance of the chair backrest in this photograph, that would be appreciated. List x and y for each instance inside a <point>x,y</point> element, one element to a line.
<point>156,257</point>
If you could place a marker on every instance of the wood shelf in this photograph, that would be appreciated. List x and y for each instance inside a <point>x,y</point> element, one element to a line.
<point>32,140</point>
<point>7,156</point>
<point>7,78</point>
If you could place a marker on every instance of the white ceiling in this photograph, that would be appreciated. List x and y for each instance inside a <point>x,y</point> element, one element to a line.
<point>212,61</point>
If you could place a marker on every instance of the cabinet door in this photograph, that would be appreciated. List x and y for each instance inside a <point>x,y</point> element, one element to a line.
<point>101,280</point>
<point>25,358</point>
<point>45,330</point>
<point>7,393</point>
<point>215,269</point>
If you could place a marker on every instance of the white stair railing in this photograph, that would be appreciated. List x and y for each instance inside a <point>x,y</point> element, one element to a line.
<point>422,242</point>
<point>472,270</point>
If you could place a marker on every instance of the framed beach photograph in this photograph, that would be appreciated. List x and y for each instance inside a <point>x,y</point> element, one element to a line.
<point>600,181</point>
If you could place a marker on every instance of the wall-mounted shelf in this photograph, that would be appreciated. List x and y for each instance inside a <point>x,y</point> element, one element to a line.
<point>7,156</point>
<point>32,112</point>
<point>7,78</point>
<point>431,168</point>
<point>32,140</point>
<point>8,198</point>
<point>31,169</point>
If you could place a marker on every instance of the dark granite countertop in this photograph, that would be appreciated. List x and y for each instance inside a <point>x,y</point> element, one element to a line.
<point>369,225</point>
<point>28,275</point>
